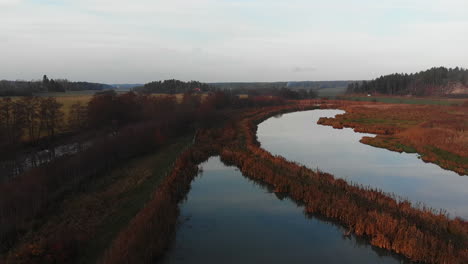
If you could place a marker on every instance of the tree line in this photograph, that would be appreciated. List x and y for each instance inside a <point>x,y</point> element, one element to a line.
<point>29,88</point>
<point>173,87</point>
<point>433,81</point>
<point>307,85</point>
<point>36,121</point>
<point>250,89</point>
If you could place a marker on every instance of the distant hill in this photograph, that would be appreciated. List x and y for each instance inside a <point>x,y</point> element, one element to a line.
<point>126,86</point>
<point>322,88</point>
<point>317,85</point>
<point>173,87</point>
<point>433,82</point>
<point>248,85</point>
<point>291,85</point>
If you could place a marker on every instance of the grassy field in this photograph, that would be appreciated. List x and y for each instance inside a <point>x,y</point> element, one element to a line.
<point>406,100</point>
<point>68,101</point>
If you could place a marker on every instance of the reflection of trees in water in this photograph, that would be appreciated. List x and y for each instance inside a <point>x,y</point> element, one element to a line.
<point>360,242</point>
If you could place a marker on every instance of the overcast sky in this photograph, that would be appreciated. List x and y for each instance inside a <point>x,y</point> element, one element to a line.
<point>116,41</point>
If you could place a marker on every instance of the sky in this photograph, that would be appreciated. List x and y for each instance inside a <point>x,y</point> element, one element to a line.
<point>116,41</point>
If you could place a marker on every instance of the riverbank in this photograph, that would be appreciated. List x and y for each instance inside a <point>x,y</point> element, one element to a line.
<point>437,133</point>
<point>419,234</point>
<point>297,137</point>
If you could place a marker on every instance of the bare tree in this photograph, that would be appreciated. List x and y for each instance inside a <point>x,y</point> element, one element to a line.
<point>12,121</point>
<point>78,116</point>
<point>30,107</point>
<point>51,116</point>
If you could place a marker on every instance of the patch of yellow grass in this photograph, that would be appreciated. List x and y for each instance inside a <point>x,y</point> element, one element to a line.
<point>68,101</point>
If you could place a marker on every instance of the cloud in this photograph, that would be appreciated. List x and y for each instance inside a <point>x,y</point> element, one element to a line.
<point>7,3</point>
<point>303,69</point>
<point>208,40</point>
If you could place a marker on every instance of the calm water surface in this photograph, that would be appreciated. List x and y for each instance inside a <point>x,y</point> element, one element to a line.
<point>298,137</point>
<point>230,219</point>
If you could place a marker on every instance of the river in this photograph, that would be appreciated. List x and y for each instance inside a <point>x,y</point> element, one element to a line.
<point>228,218</point>
<point>298,137</point>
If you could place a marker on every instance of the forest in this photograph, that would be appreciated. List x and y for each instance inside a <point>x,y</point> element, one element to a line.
<point>435,81</point>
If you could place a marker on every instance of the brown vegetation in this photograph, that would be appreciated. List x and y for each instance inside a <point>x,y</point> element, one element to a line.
<point>148,235</point>
<point>418,233</point>
<point>85,223</point>
<point>224,129</point>
<point>438,133</point>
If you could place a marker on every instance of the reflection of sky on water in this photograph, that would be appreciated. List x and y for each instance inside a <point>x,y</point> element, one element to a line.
<point>230,219</point>
<point>298,137</point>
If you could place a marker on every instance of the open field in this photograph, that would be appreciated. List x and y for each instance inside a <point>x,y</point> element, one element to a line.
<point>68,101</point>
<point>439,133</point>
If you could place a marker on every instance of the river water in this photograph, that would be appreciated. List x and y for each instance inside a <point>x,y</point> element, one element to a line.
<point>228,218</point>
<point>298,137</point>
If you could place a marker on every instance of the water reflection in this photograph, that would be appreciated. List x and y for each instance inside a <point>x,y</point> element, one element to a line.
<point>229,219</point>
<point>298,137</point>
